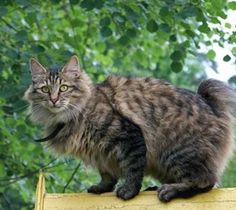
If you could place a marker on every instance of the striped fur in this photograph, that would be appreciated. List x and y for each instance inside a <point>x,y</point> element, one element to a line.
<point>128,127</point>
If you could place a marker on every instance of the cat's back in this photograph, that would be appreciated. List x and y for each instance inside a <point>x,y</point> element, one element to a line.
<point>137,84</point>
<point>146,94</point>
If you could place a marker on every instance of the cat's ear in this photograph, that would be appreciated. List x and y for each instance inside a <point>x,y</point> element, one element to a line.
<point>36,68</point>
<point>72,68</point>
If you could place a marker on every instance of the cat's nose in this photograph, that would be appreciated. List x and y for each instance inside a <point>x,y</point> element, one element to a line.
<point>54,100</point>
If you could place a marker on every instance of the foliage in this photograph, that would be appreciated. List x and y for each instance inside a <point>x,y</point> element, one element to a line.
<point>143,38</point>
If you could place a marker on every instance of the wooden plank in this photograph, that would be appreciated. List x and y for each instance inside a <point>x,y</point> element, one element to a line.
<point>217,199</point>
<point>40,193</point>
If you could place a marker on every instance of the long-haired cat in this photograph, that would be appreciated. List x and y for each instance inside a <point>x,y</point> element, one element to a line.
<point>131,127</point>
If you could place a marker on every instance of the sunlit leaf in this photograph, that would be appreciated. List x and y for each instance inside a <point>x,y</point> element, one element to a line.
<point>234,51</point>
<point>232,5</point>
<point>211,54</point>
<point>228,25</point>
<point>204,28</point>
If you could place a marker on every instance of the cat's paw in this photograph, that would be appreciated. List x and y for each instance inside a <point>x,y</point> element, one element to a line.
<point>126,192</point>
<point>166,193</point>
<point>98,189</point>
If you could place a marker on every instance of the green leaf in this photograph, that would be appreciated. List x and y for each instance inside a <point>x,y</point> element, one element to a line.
<point>188,11</point>
<point>152,26</point>
<point>21,35</point>
<point>185,45</point>
<point>200,16</point>
<point>233,51</point>
<point>208,43</point>
<point>165,28</point>
<point>3,11</point>
<point>12,53</point>
<point>106,31</point>
<point>105,21</point>
<point>176,55</point>
<point>222,15</point>
<point>190,33</point>
<point>74,2</point>
<point>131,32</point>
<point>204,28</point>
<point>87,4</point>
<point>98,4</point>
<point>118,17</point>
<point>55,1</point>
<point>232,80</point>
<point>37,48</point>
<point>226,58</point>
<point>211,54</point>
<point>232,5</point>
<point>164,11</point>
<point>31,18</point>
<point>1,67</point>
<point>176,67</point>
<point>124,40</point>
<point>23,2</point>
<point>2,169</point>
<point>228,25</point>
<point>173,38</point>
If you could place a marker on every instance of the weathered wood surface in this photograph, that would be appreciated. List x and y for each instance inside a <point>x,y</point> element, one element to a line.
<point>217,199</point>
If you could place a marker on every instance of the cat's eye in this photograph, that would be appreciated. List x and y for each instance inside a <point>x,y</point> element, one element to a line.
<point>45,89</point>
<point>63,88</point>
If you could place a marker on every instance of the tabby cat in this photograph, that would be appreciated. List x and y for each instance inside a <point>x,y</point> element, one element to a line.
<point>131,127</point>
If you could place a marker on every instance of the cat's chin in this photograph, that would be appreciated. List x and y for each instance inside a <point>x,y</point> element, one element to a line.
<point>56,110</point>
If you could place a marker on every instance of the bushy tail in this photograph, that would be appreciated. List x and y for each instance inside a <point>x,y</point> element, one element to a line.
<point>218,95</point>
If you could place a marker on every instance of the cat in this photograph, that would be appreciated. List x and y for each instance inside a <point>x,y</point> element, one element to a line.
<point>131,127</point>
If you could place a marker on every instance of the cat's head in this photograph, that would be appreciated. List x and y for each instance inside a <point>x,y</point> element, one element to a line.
<point>57,93</point>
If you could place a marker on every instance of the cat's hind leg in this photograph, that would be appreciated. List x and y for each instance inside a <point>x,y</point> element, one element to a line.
<point>189,170</point>
<point>168,192</point>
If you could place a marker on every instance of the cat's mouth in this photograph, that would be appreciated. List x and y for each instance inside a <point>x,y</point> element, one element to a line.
<point>55,109</point>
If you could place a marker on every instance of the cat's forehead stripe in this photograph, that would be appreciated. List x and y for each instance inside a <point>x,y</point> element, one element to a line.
<point>54,76</point>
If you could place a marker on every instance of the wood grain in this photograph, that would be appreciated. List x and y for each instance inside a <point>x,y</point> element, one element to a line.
<point>216,199</point>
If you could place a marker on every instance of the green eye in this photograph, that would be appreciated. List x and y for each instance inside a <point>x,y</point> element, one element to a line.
<point>45,89</point>
<point>63,88</point>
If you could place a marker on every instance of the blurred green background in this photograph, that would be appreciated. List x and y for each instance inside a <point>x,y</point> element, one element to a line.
<point>136,37</point>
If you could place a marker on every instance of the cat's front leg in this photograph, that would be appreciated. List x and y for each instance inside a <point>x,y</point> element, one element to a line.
<point>106,184</point>
<point>132,162</point>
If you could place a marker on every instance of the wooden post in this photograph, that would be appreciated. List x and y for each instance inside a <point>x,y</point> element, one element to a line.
<point>40,192</point>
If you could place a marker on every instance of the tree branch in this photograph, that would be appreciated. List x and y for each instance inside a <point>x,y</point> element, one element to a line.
<point>12,180</point>
<point>71,177</point>
<point>8,24</point>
